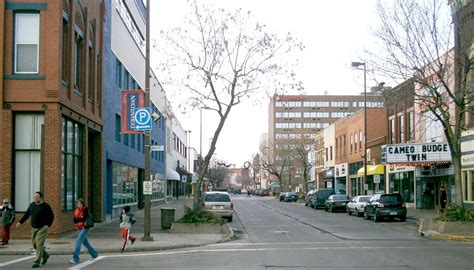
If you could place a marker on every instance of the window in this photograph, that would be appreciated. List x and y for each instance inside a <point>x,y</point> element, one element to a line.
<point>91,73</point>
<point>118,74</point>
<point>126,76</point>
<point>352,141</point>
<point>360,139</point>
<point>337,147</point>
<point>124,184</point>
<point>125,139</point>
<point>294,104</point>
<point>327,154</point>
<point>330,152</point>
<point>66,67</point>
<point>118,128</point>
<point>27,27</point>
<point>279,104</point>
<point>411,126</point>
<point>27,157</point>
<point>71,164</point>
<point>391,125</point>
<point>401,125</point>
<point>79,63</point>
<point>356,140</point>
<point>133,141</point>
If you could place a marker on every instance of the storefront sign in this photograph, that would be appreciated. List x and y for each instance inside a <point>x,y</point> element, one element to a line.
<point>392,168</point>
<point>341,170</point>
<point>416,153</point>
<point>132,101</point>
<point>329,173</point>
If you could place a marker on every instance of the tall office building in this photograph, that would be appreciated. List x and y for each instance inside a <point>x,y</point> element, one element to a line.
<point>294,121</point>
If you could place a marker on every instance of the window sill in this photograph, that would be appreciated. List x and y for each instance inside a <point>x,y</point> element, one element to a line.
<point>65,84</point>
<point>77,91</point>
<point>24,77</point>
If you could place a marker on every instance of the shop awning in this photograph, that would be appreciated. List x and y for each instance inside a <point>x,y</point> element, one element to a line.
<point>371,170</point>
<point>172,175</point>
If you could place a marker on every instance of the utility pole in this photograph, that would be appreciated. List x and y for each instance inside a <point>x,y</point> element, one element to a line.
<point>147,236</point>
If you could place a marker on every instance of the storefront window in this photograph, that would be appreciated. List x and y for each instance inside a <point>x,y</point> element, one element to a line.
<point>125,184</point>
<point>71,168</point>
<point>403,183</point>
<point>158,189</point>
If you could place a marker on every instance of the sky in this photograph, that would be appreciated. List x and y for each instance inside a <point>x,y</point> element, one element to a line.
<point>334,33</point>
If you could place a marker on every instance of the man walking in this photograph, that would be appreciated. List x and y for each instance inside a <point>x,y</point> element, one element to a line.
<point>7,217</point>
<point>41,219</point>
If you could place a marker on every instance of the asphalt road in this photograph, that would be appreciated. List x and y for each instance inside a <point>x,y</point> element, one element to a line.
<point>274,235</point>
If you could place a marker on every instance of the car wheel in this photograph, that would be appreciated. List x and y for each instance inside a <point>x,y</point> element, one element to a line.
<point>332,210</point>
<point>403,218</point>
<point>311,204</point>
<point>357,213</point>
<point>349,212</point>
<point>366,215</point>
<point>306,204</point>
<point>325,209</point>
<point>376,218</point>
<point>230,218</point>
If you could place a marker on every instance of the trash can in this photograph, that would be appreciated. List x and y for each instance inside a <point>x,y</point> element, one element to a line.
<point>167,217</point>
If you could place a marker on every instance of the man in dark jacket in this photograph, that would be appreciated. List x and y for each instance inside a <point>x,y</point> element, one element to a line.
<point>7,217</point>
<point>41,219</point>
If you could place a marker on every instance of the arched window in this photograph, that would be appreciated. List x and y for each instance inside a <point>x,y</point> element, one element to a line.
<point>79,49</point>
<point>65,43</point>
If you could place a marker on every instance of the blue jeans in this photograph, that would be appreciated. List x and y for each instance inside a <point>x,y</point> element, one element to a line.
<point>82,240</point>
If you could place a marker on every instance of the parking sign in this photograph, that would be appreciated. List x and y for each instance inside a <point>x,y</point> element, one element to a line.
<point>142,119</point>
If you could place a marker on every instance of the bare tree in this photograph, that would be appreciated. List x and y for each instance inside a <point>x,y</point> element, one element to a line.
<point>302,160</point>
<point>217,173</point>
<point>416,40</point>
<point>275,169</point>
<point>227,57</point>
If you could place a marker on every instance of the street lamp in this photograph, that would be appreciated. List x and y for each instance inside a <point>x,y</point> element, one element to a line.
<point>356,65</point>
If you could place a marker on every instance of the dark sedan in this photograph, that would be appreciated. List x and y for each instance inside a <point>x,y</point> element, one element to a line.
<point>336,202</point>
<point>291,197</point>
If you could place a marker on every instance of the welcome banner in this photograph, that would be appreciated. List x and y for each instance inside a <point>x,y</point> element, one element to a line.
<point>132,100</point>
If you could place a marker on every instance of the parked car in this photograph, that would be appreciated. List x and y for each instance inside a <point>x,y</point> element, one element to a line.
<point>320,196</point>
<point>258,192</point>
<point>265,192</point>
<point>382,206</point>
<point>291,197</point>
<point>357,205</point>
<point>244,191</point>
<point>336,202</point>
<point>218,203</point>
<point>282,196</point>
<point>307,199</point>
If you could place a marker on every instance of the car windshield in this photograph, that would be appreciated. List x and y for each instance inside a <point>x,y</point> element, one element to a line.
<point>391,199</point>
<point>217,198</point>
<point>340,197</point>
<point>364,199</point>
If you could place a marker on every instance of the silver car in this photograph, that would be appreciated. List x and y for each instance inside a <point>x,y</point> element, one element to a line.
<point>357,204</point>
<point>218,203</point>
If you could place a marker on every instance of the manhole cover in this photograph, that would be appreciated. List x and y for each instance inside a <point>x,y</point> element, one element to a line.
<point>60,243</point>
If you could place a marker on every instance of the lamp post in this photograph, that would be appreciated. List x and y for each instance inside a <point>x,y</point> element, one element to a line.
<point>147,197</point>
<point>356,65</point>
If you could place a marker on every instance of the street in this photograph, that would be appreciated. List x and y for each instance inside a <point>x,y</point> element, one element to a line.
<point>274,235</point>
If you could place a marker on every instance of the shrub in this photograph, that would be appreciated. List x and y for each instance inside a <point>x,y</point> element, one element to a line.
<point>456,213</point>
<point>200,216</point>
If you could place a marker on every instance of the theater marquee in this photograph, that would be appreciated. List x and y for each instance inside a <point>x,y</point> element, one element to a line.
<point>416,153</point>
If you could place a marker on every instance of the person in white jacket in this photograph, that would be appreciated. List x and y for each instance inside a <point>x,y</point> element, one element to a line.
<point>127,220</point>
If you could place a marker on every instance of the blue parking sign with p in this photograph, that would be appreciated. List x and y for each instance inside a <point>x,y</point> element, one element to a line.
<point>142,119</point>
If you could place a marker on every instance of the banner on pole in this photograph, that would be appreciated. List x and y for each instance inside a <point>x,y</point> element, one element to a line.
<point>132,100</point>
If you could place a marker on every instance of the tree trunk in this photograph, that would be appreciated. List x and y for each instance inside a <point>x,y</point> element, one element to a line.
<point>456,158</point>
<point>207,159</point>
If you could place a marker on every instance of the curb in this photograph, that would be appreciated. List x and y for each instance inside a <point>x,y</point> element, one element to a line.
<point>449,237</point>
<point>226,238</point>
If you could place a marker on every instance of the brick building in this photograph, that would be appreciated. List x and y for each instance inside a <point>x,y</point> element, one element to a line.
<point>349,153</point>
<point>51,114</point>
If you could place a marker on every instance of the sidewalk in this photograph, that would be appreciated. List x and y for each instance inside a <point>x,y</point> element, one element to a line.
<point>424,219</point>
<point>106,237</point>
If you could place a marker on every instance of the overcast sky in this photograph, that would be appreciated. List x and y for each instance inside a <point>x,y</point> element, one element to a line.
<point>334,33</point>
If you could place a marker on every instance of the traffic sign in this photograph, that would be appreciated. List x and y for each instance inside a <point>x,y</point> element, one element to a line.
<point>142,119</point>
<point>376,178</point>
<point>147,188</point>
<point>157,148</point>
<point>184,178</point>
